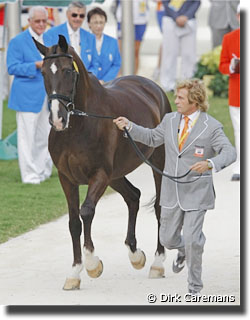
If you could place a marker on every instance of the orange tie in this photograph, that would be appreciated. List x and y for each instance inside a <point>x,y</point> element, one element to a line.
<point>184,133</point>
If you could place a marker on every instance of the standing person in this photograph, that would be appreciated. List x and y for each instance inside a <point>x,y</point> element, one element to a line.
<point>222,19</point>
<point>27,97</point>
<point>230,64</point>
<point>81,40</point>
<point>179,37</point>
<point>3,53</point>
<point>140,20</point>
<point>106,46</point>
<point>193,140</point>
<point>160,11</point>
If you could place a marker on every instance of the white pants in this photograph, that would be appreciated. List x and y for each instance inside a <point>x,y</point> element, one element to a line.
<point>235,117</point>
<point>32,141</point>
<point>4,74</point>
<point>177,41</point>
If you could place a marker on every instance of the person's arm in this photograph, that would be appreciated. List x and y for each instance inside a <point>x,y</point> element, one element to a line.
<point>95,59</point>
<point>225,58</point>
<point>16,64</point>
<point>115,67</point>
<point>150,137</point>
<point>225,153</point>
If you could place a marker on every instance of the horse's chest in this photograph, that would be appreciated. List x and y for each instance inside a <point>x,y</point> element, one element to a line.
<point>75,167</point>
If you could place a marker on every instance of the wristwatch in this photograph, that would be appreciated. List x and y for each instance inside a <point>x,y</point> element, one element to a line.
<point>209,164</point>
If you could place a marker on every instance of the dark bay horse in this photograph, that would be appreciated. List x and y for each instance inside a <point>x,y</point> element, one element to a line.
<point>93,151</point>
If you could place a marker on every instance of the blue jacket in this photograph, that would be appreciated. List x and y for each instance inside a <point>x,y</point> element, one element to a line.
<point>27,92</point>
<point>188,9</point>
<point>88,45</point>
<point>109,59</point>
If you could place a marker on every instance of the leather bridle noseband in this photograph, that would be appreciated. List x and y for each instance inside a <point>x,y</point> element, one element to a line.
<point>66,101</point>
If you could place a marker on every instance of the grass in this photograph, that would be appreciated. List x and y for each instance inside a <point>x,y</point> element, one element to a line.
<point>24,207</point>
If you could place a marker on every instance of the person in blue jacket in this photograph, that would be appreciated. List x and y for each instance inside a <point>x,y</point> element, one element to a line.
<point>27,98</point>
<point>106,46</point>
<point>81,40</point>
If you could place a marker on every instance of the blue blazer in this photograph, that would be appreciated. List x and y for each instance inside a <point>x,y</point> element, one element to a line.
<point>27,92</point>
<point>88,45</point>
<point>109,59</point>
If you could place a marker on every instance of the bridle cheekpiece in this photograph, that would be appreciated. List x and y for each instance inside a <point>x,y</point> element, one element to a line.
<point>66,101</point>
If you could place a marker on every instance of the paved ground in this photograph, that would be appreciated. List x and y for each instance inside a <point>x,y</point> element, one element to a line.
<point>34,265</point>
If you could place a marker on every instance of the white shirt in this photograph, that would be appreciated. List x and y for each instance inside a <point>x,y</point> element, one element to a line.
<point>74,37</point>
<point>36,37</point>
<point>99,45</point>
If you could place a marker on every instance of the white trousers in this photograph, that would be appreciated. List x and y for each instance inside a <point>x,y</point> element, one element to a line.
<point>32,141</point>
<point>235,117</point>
<point>177,41</point>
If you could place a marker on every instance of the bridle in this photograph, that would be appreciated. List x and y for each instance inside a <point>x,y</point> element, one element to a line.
<point>66,101</point>
<point>72,111</point>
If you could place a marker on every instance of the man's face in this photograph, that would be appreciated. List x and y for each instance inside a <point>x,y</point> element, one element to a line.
<point>75,17</point>
<point>97,24</point>
<point>181,101</point>
<point>39,22</point>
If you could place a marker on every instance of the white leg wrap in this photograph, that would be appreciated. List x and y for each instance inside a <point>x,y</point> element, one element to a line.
<point>75,271</point>
<point>159,259</point>
<point>91,261</point>
<point>157,268</point>
<point>135,256</point>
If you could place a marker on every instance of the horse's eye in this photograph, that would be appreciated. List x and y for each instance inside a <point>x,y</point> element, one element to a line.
<point>67,71</point>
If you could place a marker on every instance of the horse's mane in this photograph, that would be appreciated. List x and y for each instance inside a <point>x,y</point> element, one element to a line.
<point>80,65</point>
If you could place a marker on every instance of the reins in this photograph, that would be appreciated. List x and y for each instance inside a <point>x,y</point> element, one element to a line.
<point>137,150</point>
<point>70,102</point>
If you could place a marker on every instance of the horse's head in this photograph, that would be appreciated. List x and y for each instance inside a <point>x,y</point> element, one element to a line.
<point>60,73</point>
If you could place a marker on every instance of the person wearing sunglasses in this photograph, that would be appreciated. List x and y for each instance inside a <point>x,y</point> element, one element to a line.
<point>106,46</point>
<point>81,40</point>
<point>28,98</point>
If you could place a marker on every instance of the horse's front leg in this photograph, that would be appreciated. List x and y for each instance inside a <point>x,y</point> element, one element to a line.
<point>75,226</point>
<point>131,196</point>
<point>97,185</point>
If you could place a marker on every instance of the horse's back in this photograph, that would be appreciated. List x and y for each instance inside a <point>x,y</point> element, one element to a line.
<point>140,99</point>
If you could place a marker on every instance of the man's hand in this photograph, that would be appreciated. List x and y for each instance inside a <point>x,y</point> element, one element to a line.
<point>121,122</point>
<point>39,64</point>
<point>200,166</point>
<point>181,21</point>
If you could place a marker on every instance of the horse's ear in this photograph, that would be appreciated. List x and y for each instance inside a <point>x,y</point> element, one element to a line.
<point>41,47</point>
<point>63,43</point>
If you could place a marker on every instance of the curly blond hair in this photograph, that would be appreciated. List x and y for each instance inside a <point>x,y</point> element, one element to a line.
<point>196,92</point>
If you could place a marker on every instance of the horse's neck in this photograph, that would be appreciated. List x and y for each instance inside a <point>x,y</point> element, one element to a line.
<point>89,88</point>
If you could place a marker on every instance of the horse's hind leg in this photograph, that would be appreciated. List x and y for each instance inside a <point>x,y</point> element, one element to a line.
<point>131,196</point>
<point>75,226</point>
<point>157,268</point>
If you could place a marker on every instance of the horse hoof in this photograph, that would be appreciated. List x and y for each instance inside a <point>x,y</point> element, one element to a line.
<point>95,273</point>
<point>139,264</point>
<point>72,284</point>
<point>156,273</point>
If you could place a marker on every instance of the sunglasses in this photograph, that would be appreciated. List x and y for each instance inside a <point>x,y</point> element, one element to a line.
<point>74,15</point>
<point>40,21</point>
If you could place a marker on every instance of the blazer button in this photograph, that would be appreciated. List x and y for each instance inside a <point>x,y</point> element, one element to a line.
<point>179,156</point>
